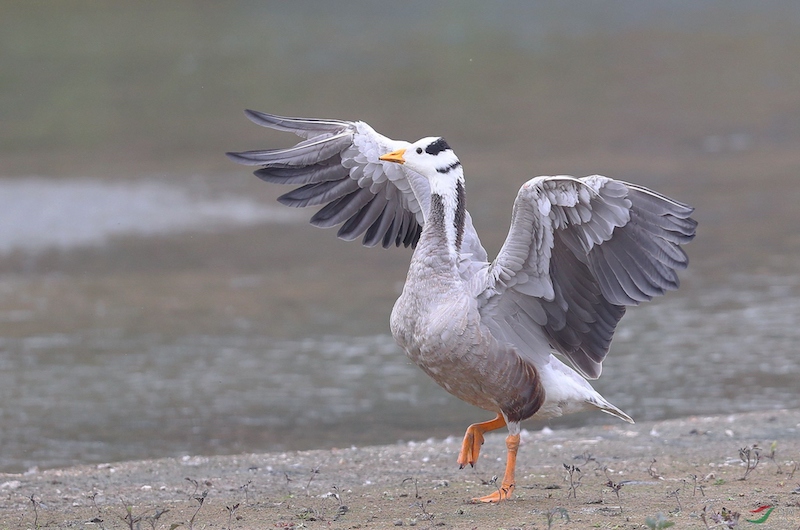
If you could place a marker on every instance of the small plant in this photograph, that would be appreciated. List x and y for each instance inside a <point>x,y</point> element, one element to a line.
<point>246,488</point>
<point>771,456</point>
<point>339,496</point>
<point>652,471</point>
<point>677,498</point>
<point>574,481</point>
<point>587,457</point>
<point>493,482</point>
<point>423,506</point>
<point>129,518</point>
<point>194,483</point>
<point>93,497</point>
<point>721,519</point>
<point>99,517</point>
<point>615,487</point>
<point>751,456</point>
<point>231,512</point>
<point>419,502</point>
<point>343,508</point>
<point>659,522</point>
<point>200,499</point>
<point>152,520</point>
<point>416,486</point>
<point>35,504</point>
<point>314,472</point>
<point>551,515</point>
<point>695,486</point>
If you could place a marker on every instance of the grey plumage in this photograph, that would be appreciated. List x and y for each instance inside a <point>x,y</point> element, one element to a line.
<point>579,250</point>
<point>609,244</point>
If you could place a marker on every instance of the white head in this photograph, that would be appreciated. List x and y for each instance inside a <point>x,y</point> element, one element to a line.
<point>433,159</point>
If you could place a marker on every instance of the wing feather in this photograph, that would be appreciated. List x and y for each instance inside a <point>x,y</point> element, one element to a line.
<point>319,193</point>
<point>363,220</point>
<point>305,153</point>
<point>578,252</point>
<point>304,127</point>
<point>342,209</point>
<point>337,167</point>
<point>381,226</point>
<point>302,175</point>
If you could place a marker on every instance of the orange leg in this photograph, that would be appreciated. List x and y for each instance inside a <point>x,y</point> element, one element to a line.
<point>473,440</point>
<point>507,486</point>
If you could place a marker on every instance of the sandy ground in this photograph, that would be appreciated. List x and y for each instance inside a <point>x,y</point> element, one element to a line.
<point>676,468</point>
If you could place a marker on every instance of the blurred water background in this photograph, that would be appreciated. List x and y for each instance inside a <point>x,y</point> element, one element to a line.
<point>155,300</point>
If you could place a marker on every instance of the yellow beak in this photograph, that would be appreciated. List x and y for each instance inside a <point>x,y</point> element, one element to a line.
<point>395,156</point>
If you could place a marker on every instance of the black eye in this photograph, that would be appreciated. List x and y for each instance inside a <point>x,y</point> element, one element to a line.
<point>419,150</point>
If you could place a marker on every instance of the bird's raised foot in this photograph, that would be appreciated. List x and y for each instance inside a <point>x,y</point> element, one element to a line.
<point>470,447</point>
<point>473,440</point>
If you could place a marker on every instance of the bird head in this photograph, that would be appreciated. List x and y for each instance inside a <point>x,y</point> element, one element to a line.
<point>433,159</point>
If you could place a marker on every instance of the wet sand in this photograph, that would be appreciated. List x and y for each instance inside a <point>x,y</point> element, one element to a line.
<point>676,468</point>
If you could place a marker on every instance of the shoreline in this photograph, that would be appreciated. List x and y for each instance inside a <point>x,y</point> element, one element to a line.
<point>673,467</point>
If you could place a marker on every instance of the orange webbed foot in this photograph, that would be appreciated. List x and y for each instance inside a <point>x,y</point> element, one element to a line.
<point>470,447</point>
<point>506,489</point>
<point>473,440</point>
<point>505,492</point>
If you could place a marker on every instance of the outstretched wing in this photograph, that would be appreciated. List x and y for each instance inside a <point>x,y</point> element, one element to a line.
<point>577,253</point>
<point>337,167</point>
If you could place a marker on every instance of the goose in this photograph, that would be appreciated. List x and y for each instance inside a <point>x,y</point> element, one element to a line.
<point>578,252</point>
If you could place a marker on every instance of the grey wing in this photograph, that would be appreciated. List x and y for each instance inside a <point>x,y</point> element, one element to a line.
<point>337,167</point>
<point>577,253</point>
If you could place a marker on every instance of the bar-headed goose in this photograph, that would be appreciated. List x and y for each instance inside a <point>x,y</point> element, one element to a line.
<point>578,252</point>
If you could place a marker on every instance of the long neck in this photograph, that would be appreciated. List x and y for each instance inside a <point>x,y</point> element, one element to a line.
<point>444,226</point>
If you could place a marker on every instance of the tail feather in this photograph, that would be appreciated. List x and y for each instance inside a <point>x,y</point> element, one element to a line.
<point>613,410</point>
<point>567,392</point>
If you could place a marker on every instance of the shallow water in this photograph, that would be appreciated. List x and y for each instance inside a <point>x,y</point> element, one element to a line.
<point>155,300</point>
<point>125,364</point>
<point>88,212</point>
